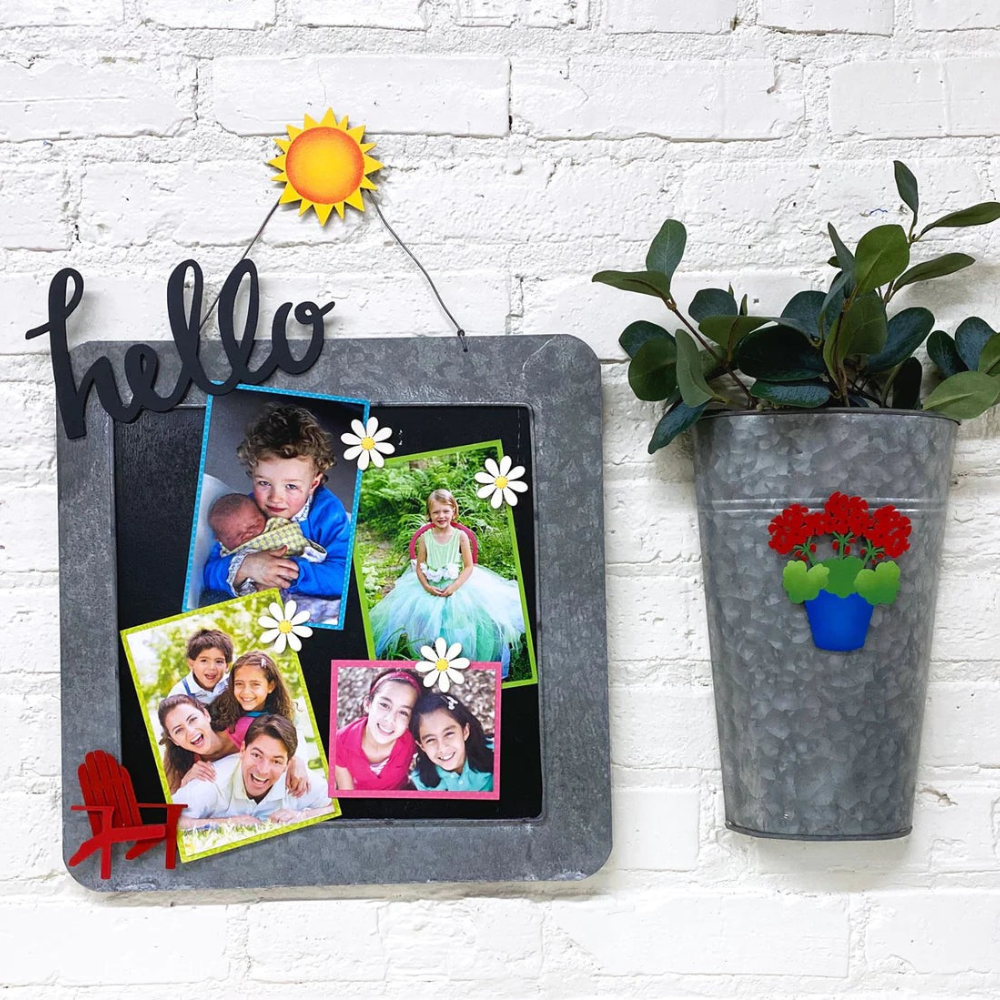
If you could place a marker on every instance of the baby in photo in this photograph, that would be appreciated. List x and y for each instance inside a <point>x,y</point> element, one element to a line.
<point>286,453</point>
<point>240,526</point>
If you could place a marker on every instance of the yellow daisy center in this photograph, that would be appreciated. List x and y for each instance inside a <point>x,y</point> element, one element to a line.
<point>285,626</point>
<point>367,443</point>
<point>441,665</point>
<point>501,482</point>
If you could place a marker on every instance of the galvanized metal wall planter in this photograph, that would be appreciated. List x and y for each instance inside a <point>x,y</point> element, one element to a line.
<point>820,743</point>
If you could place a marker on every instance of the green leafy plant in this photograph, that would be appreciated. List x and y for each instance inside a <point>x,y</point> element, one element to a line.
<point>838,348</point>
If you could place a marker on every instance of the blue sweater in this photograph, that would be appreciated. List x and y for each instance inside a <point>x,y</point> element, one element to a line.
<point>327,524</point>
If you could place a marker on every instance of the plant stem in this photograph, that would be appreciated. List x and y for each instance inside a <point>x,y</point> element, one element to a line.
<point>672,306</point>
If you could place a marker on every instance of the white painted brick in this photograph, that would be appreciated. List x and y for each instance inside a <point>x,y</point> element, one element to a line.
<point>858,194</point>
<point>208,13</point>
<point>59,99</point>
<point>628,424</point>
<point>709,17</point>
<point>583,98</point>
<point>34,652</point>
<point>656,727</point>
<point>35,205</point>
<point>395,304</point>
<point>866,17</point>
<point>960,726</point>
<point>408,15</point>
<point>948,932</point>
<point>665,533</point>
<point>657,617</point>
<point>703,933</point>
<point>655,829</point>
<point>523,200</point>
<point>24,13</point>
<point>28,848</point>
<point>918,98</point>
<point>487,938</point>
<point>223,202</point>
<point>436,95</point>
<point>28,528</point>
<point>281,946</point>
<point>486,13</point>
<point>145,943</point>
<point>556,13</point>
<point>964,619</point>
<point>955,15</point>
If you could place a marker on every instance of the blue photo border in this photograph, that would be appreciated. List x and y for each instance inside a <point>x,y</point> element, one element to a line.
<point>349,562</point>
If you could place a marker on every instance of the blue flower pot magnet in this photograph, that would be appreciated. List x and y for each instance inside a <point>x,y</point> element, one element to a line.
<point>842,565</point>
<point>839,623</point>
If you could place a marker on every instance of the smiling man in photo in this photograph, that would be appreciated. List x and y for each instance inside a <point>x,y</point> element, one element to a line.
<point>249,789</point>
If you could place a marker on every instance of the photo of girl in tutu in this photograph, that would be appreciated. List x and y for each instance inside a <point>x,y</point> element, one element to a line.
<point>437,561</point>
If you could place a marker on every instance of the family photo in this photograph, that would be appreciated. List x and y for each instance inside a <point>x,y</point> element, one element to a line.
<point>436,560</point>
<point>276,501</point>
<point>231,726</point>
<point>394,735</point>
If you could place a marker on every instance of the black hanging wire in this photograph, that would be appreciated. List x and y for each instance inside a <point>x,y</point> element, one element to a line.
<point>256,236</point>
<point>392,232</point>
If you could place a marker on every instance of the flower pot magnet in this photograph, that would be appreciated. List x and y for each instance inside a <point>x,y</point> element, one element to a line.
<point>840,592</point>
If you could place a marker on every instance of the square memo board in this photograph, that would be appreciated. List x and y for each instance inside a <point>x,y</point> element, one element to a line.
<point>125,496</point>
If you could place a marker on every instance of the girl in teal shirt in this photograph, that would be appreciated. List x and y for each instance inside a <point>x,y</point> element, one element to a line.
<point>454,754</point>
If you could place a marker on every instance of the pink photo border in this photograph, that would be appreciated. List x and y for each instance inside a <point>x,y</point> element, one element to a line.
<point>376,665</point>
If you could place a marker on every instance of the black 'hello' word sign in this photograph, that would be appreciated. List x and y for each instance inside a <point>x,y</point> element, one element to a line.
<point>142,363</point>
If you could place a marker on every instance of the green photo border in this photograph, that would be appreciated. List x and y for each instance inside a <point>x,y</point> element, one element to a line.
<point>358,564</point>
<point>264,598</point>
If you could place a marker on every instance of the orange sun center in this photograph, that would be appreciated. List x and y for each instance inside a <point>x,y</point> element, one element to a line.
<point>324,165</point>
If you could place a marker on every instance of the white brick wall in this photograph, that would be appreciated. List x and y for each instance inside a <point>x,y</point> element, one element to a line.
<point>527,143</point>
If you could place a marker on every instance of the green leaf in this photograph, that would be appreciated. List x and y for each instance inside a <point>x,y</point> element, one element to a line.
<point>712,302</point>
<point>728,331</point>
<point>949,263</point>
<point>636,334</point>
<point>942,351</point>
<point>672,423</point>
<point>906,385</point>
<point>779,354</point>
<point>979,215</point>
<point>906,331</point>
<point>882,255</point>
<point>653,371</point>
<point>833,303</point>
<point>879,585</point>
<point>802,583</point>
<point>690,378</point>
<point>970,339</point>
<point>845,259</point>
<point>989,359</point>
<point>843,573</point>
<point>644,282</point>
<point>863,328</point>
<point>906,185</point>
<point>964,396</point>
<point>802,312</point>
<point>667,248</point>
<point>803,395</point>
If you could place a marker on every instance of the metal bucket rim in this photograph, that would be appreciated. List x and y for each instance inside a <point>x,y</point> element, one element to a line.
<point>882,411</point>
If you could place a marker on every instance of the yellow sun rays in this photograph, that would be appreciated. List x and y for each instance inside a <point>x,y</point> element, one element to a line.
<point>325,165</point>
